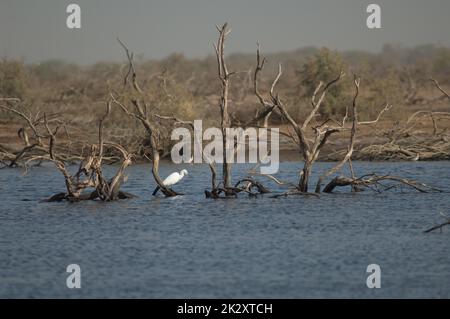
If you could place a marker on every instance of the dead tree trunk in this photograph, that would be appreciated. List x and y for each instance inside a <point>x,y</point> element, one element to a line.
<point>309,150</point>
<point>226,123</point>
<point>136,107</point>
<point>224,76</point>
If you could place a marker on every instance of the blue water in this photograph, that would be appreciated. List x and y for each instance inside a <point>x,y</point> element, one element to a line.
<point>191,247</point>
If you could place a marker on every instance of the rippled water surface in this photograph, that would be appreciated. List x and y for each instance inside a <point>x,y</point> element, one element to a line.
<point>190,247</point>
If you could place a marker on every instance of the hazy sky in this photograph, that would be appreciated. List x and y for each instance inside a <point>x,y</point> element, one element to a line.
<point>36,30</point>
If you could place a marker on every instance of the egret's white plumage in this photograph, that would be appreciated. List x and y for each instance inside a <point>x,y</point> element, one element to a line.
<point>172,179</point>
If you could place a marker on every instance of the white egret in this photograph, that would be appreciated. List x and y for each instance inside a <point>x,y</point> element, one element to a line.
<point>172,179</point>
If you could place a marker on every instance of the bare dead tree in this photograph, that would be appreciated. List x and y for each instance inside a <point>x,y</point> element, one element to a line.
<point>227,121</point>
<point>310,145</point>
<point>134,105</point>
<point>89,174</point>
<point>224,76</point>
<point>41,146</point>
<point>309,149</point>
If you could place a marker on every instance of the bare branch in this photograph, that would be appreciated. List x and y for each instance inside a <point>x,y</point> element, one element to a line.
<point>351,142</point>
<point>386,108</point>
<point>272,88</point>
<point>436,83</point>
<point>317,103</point>
<point>440,226</point>
<point>131,69</point>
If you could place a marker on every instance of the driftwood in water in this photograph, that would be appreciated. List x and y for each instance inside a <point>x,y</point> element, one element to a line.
<point>295,193</point>
<point>88,196</point>
<point>245,185</point>
<point>375,181</point>
<point>248,184</point>
<point>437,227</point>
<point>440,226</point>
